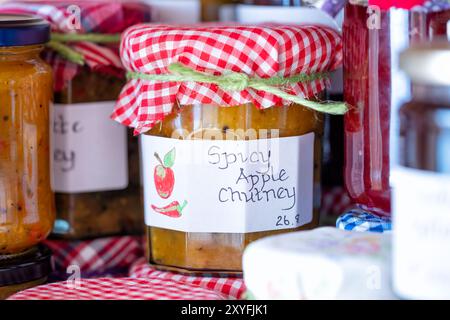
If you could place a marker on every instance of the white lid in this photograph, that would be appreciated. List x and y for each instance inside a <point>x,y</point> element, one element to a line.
<point>279,14</point>
<point>325,263</point>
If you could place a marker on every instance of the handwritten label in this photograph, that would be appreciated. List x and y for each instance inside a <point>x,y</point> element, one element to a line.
<point>89,150</point>
<point>228,186</point>
<point>421,211</point>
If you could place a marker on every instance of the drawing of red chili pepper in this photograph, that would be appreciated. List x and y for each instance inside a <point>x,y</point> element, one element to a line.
<point>173,210</point>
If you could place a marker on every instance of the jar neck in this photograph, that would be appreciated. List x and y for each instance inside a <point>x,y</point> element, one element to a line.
<point>20,53</point>
<point>431,94</point>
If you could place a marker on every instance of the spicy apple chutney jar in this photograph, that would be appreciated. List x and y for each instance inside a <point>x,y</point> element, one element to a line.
<point>230,135</point>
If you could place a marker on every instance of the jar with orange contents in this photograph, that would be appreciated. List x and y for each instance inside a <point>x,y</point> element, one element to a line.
<point>200,250</point>
<point>231,135</point>
<point>26,199</point>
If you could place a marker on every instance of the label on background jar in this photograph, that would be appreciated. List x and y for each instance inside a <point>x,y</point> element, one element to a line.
<point>89,150</point>
<point>421,212</point>
<point>223,186</point>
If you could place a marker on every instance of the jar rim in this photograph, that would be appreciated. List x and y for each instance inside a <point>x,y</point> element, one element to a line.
<point>23,30</point>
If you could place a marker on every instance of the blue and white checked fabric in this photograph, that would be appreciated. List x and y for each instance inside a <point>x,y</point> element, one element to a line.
<point>362,221</point>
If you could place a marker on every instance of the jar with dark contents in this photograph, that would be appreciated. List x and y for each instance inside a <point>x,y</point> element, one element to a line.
<point>421,183</point>
<point>27,209</point>
<point>113,210</point>
<point>367,87</point>
<point>210,9</point>
<point>220,170</point>
<point>376,88</point>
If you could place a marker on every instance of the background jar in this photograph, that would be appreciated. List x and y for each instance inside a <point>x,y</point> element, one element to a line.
<point>26,199</point>
<point>421,182</point>
<point>376,88</point>
<point>95,161</point>
<point>223,251</point>
<point>97,213</point>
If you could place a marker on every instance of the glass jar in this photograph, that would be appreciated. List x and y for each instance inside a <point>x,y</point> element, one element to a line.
<point>201,251</point>
<point>26,198</point>
<point>421,183</point>
<point>376,88</point>
<point>95,161</point>
<point>230,152</point>
<point>97,206</point>
<point>367,87</point>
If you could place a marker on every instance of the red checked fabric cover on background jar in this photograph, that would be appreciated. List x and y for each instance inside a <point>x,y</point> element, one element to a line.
<point>231,134</point>
<point>97,192</point>
<point>230,287</point>
<point>118,289</point>
<point>100,17</point>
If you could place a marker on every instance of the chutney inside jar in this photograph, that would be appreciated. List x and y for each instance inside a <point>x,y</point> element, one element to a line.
<point>222,252</point>
<point>88,214</point>
<point>230,135</point>
<point>26,198</point>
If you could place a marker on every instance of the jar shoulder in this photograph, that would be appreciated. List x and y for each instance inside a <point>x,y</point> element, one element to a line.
<point>24,70</point>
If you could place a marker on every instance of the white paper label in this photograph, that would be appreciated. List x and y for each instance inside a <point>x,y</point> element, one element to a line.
<point>89,150</point>
<point>421,211</point>
<point>228,186</point>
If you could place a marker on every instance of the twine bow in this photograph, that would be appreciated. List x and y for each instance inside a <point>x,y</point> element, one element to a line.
<point>234,81</point>
<point>58,43</point>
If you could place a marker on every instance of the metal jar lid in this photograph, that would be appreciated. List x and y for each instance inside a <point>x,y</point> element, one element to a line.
<point>428,63</point>
<point>23,30</point>
<point>25,269</point>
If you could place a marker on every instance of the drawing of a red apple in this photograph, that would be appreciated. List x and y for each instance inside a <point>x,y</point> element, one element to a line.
<point>163,174</point>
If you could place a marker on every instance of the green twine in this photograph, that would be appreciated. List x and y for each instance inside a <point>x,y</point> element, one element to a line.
<point>88,37</point>
<point>58,40</point>
<point>233,81</point>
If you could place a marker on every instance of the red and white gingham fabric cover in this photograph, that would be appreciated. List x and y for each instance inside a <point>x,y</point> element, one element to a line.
<point>118,289</point>
<point>262,51</point>
<point>335,201</point>
<point>97,16</point>
<point>230,287</point>
<point>96,257</point>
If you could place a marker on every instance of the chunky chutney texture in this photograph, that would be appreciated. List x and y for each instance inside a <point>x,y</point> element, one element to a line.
<point>104,213</point>
<point>223,251</point>
<point>26,199</point>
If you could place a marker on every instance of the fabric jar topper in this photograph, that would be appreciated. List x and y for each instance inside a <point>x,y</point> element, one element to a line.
<point>224,66</point>
<point>92,41</point>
